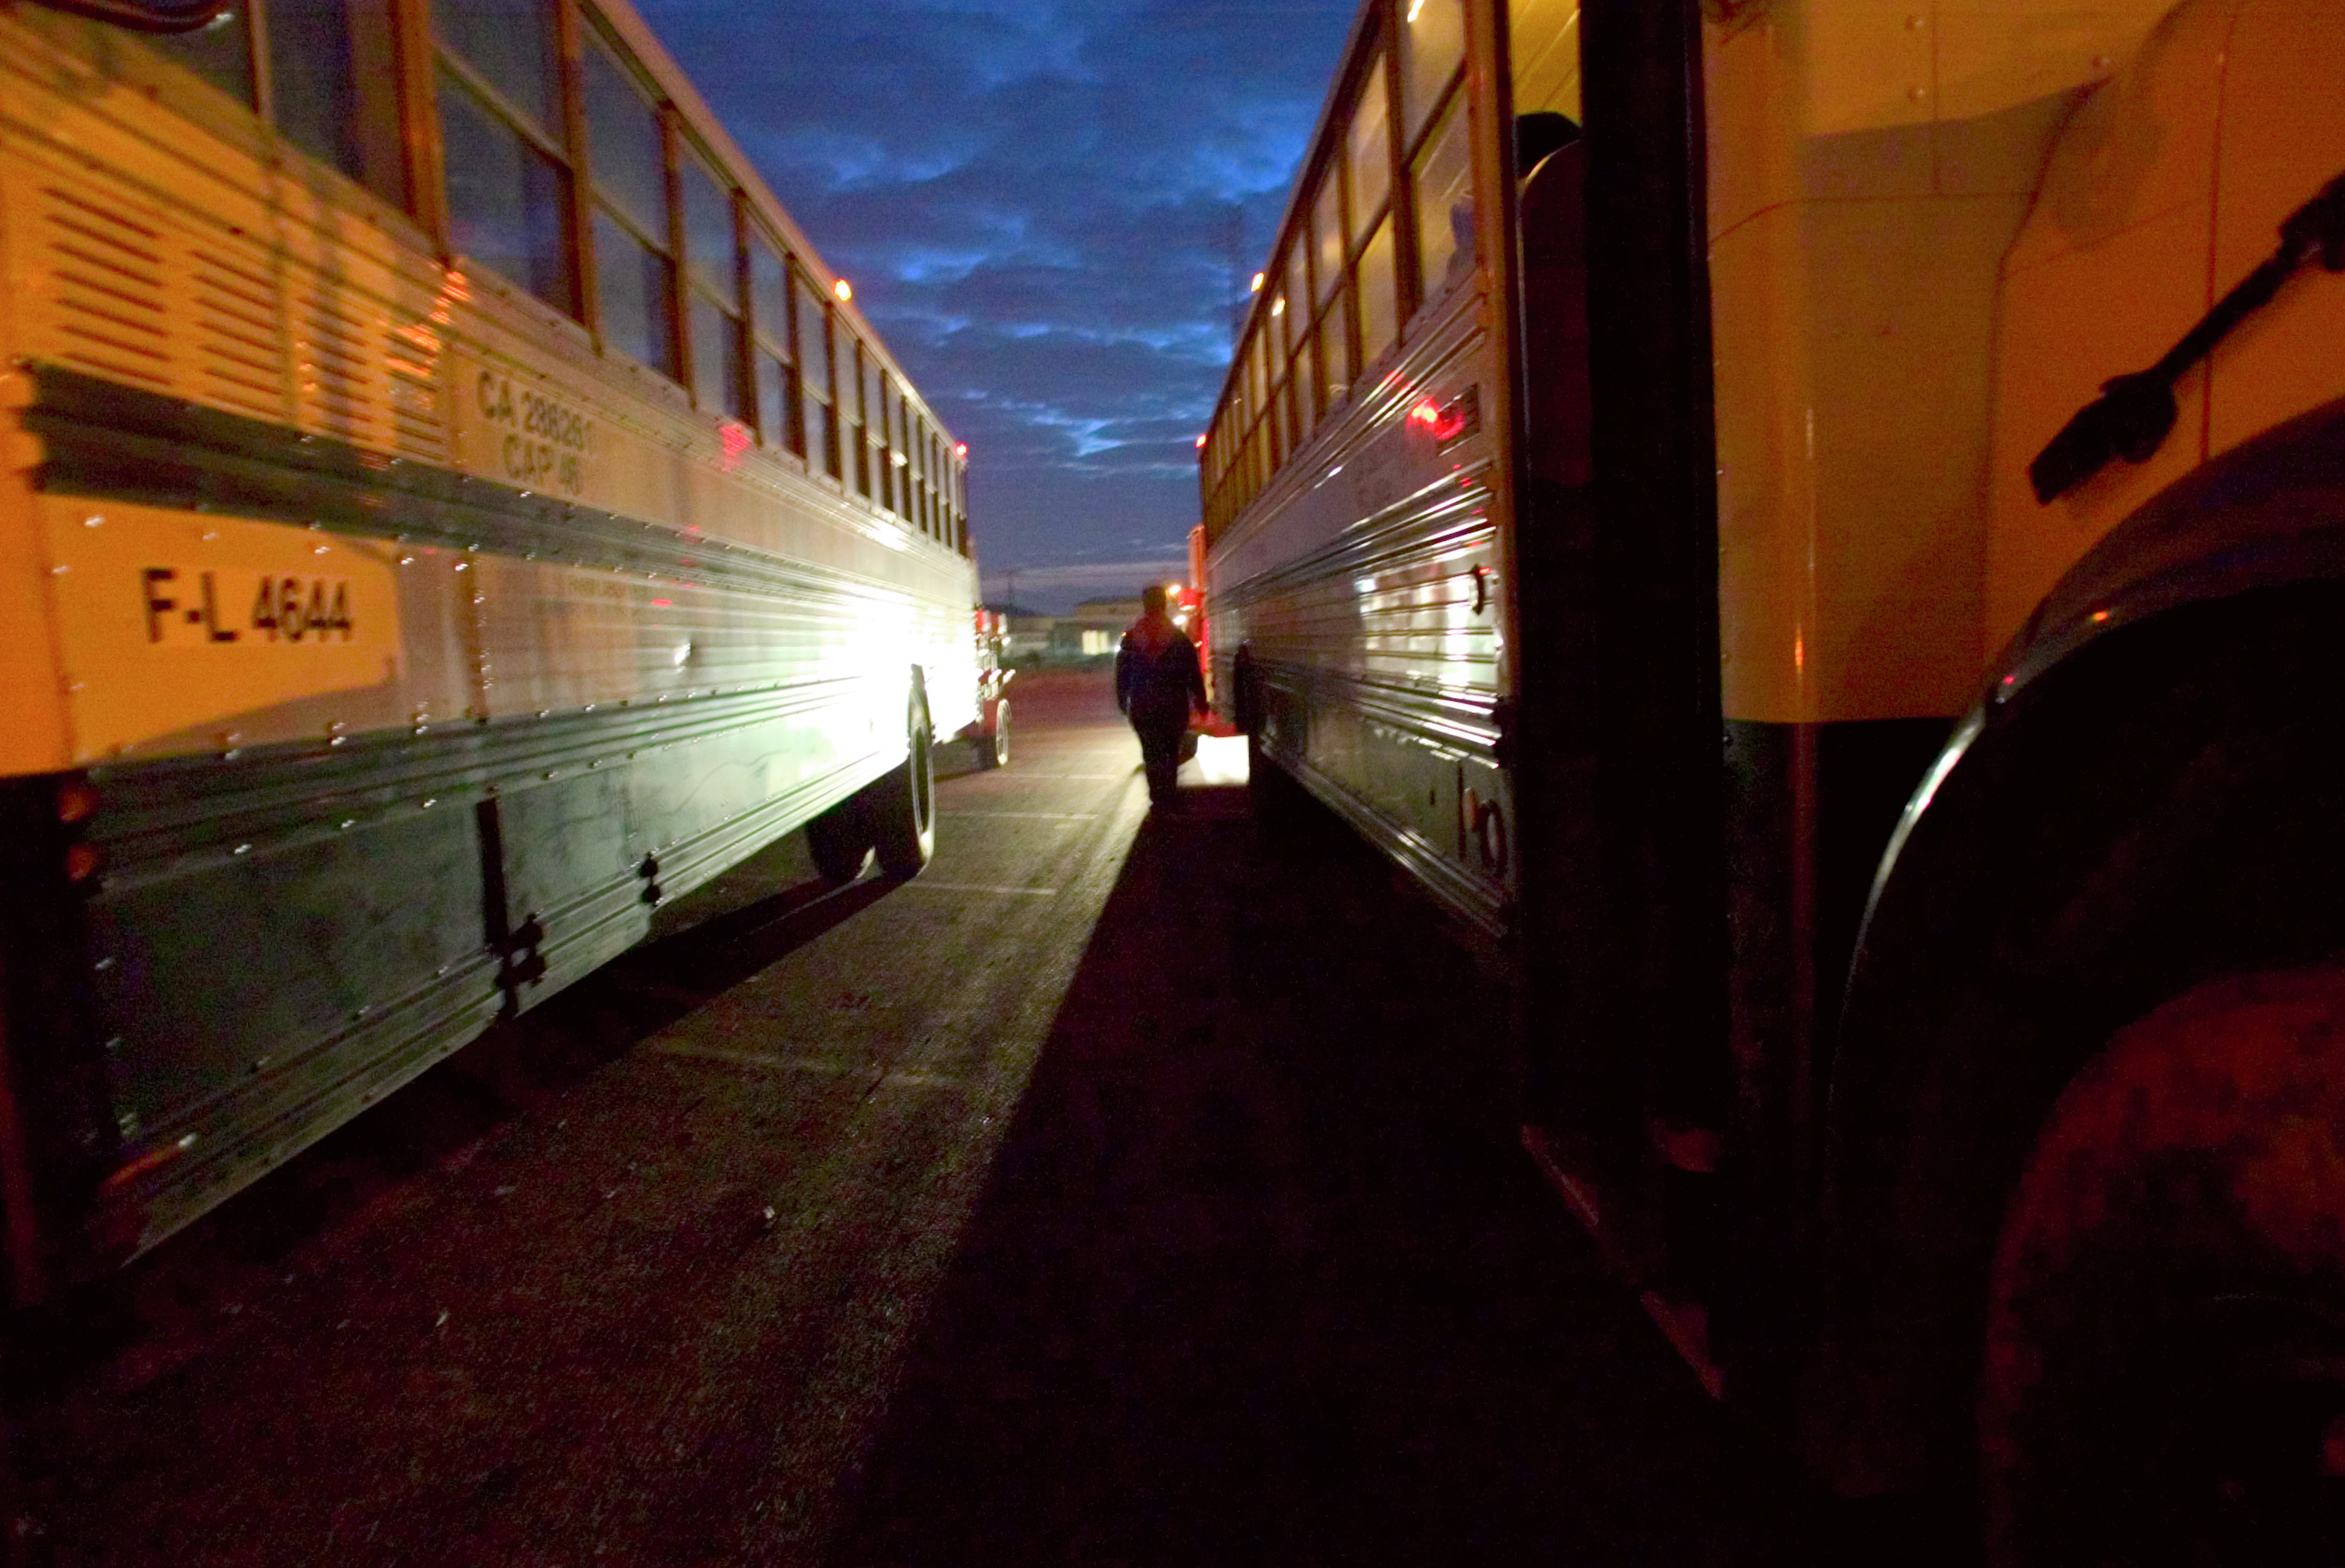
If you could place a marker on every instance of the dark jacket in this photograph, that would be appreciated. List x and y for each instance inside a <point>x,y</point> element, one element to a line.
<point>1156,672</point>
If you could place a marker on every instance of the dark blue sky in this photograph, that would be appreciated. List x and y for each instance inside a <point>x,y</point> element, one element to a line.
<point>1033,200</point>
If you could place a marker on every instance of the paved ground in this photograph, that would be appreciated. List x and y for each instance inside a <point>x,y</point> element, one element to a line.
<point>1127,1189</point>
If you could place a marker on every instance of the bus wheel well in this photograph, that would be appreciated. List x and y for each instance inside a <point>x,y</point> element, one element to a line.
<point>2165,808</point>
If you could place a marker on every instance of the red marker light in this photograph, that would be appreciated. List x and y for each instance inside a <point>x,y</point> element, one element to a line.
<point>1426,413</point>
<point>1201,443</point>
<point>961,450</point>
<point>77,802</point>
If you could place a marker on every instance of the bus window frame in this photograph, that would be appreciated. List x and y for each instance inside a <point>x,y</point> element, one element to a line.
<point>780,343</point>
<point>1231,471</point>
<point>555,143</point>
<point>735,312</point>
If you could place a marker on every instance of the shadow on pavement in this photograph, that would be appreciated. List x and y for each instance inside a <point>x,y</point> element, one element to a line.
<point>165,1303</point>
<point>1260,1274</point>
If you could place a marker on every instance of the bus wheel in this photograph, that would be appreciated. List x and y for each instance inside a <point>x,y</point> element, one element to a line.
<point>840,839</point>
<point>902,806</point>
<point>2165,1361</point>
<point>993,745</point>
<point>1271,791</point>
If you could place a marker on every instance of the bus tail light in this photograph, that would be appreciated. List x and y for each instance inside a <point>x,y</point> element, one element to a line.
<point>76,800</point>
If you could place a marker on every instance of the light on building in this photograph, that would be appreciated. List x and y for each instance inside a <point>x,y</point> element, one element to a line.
<point>1258,280</point>
<point>842,290</point>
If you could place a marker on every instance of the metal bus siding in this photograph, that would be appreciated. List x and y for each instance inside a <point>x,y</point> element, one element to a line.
<point>411,648</point>
<point>1369,605</point>
<point>1367,585</point>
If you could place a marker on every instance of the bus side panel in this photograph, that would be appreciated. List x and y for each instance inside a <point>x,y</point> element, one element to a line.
<point>417,650</point>
<point>280,939</point>
<point>1368,609</point>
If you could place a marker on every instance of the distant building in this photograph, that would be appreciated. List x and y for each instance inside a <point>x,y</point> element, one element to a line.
<point>1091,631</point>
<point>1094,628</point>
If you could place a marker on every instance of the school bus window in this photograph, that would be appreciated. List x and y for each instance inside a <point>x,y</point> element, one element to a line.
<point>714,298</point>
<point>507,206</point>
<point>715,358</point>
<point>1307,404</point>
<point>1379,305</point>
<point>882,420</point>
<point>932,477</point>
<point>891,473</point>
<point>1273,416</point>
<point>1444,188</point>
<point>1253,387</point>
<point>1336,355</point>
<point>914,489</point>
<point>919,450</point>
<point>1432,48</point>
<point>708,231</point>
<point>907,461</point>
<point>899,448</point>
<point>634,282</point>
<point>781,413</point>
<point>1327,272</point>
<point>813,325</point>
<point>510,44</point>
<point>1327,238</point>
<point>875,430</point>
<point>1370,145</point>
<point>856,402</point>
<point>634,273</point>
<point>333,89</point>
<point>219,52</point>
<point>623,141</point>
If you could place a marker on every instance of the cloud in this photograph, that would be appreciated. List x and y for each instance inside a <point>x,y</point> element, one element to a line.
<point>1047,207</point>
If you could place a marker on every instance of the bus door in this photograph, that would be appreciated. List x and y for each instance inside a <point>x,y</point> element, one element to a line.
<point>1616,728</point>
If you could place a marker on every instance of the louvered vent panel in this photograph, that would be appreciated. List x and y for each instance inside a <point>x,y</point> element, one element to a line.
<point>239,348</point>
<point>419,421</point>
<point>108,275</point>
<point>338,388</point>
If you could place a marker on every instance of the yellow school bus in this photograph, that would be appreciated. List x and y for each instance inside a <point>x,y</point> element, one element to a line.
<point>449,511</point>
<point>1820,525</point>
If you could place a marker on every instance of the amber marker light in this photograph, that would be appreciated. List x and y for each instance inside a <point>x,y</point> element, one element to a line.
<point>841,288</point>
<point>1258,280</point>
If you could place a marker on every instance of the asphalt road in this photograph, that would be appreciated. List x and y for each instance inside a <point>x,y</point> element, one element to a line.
<point>1125,1189</point>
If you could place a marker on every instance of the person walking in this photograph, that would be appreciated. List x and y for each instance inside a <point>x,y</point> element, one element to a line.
<point>1158,681</point>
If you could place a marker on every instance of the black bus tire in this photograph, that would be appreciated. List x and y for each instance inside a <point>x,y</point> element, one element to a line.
<point>901,807</point>
<point>1271,791</point>
<point>840,842</point>
<point>2164,1375</point>
<point>993,743</point>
